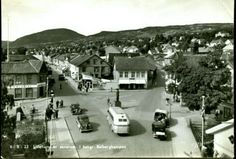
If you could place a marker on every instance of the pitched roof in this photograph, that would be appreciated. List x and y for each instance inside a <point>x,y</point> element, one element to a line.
<point>78,60</point>
<point>22,67</point>
<point>220,127</point>
<point>139,63</point>
<point>112,49</point>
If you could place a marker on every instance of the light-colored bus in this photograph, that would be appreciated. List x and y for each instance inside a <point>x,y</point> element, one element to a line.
<point>118,120</point>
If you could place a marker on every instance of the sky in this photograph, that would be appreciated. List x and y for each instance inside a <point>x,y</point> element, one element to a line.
<point>87,17</point>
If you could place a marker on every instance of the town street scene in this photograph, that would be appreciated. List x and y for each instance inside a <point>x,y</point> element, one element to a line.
<point>89,83</point>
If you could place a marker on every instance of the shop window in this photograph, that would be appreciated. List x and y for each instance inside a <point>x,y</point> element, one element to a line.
<point>29,92</point>
<point>18,93</point>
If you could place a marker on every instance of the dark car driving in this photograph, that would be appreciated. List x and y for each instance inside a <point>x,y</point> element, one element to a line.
<point>84,123</point>
<point>75,109</point>
<point>61,77</point>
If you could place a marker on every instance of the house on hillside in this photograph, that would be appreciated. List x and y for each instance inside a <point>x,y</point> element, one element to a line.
<point>25,79</point>
<point>111,50</point>
<point>130,49</point>
<point>134,72</point>
<point>112,56</point>
<point>91,65</point>
<point>223,139</point>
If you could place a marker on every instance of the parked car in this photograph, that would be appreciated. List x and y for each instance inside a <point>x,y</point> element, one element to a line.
<point>75,109</point>
<point>61,77</point>
<point>84,123</point>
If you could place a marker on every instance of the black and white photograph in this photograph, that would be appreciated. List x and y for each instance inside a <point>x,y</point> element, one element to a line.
<point>117,79</point>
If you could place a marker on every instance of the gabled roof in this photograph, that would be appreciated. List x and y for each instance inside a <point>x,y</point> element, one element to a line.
<point>78,60</point>
<point>139,63</point>
<point>112,49</point>
<point>22,67</point>
<point>220,127</point>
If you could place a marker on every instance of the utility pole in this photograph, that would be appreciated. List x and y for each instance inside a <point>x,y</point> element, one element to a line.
<point>203,121</point>
<point>8,51</point>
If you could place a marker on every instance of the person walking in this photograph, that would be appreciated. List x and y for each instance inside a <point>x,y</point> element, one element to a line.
<point>61,103</point>
<point>57,104</point>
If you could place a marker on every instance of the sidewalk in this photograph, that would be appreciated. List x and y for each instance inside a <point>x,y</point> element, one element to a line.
<point>187,147</point>
<point>61,140</point>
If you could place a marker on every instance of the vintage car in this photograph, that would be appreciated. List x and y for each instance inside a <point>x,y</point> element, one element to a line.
<point>161,122</point>
<point>84,123</point>
<point>162,115</point>
<point>75,109</point>
<point>61,77</point>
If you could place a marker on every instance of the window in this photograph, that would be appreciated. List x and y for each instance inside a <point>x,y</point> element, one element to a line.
<point>126,74</point>
<point>132,74</point>
<point>94,61</point>
<point>121,74</point>
<point>88,62</point>
<point>83,69</point>
<point>29,79</point>
<point>29,92</point>
<point>18,93</point>
<point>143,74</point>
<point>18,79</point>
<point>137,74</point>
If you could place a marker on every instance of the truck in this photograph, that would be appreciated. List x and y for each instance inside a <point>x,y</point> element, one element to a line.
<point>161,122</point>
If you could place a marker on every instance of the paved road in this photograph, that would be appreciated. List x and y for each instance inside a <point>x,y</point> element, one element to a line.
<point>139,105</point>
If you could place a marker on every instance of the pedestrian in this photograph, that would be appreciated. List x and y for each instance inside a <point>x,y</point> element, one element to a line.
<point>32,109</point>
<point>56,111</point>
<point>61,103</point>
<point>57,104</point>
<point>108,101</point>
<point>52,100</point>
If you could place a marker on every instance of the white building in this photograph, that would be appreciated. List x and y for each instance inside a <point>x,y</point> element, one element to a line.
<point>133,72</point>
<point>223,139</point>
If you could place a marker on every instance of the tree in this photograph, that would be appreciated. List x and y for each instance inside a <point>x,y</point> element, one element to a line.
<point>209,79</point>
<point>21,51</point>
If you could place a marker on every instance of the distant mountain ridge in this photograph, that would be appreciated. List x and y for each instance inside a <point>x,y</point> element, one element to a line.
<point>46,36</point>
<point>62,34</point>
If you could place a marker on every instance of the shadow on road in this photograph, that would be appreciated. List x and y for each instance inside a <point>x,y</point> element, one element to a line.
<point>129,107</point>
<point>136,128</point>
<point>173,122</point>
<point>95,126</point>
<point>170,135</point>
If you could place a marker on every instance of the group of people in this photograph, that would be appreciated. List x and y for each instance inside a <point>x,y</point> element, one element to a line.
<point>51,112</point>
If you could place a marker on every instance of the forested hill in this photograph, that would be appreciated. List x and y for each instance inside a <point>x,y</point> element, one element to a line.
<point>166,30</point>
<point>47,36</point>
<point>55,36</point>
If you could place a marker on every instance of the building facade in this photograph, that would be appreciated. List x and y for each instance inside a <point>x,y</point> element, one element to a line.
<point>25,79</point>
<point>91,65</point>
<point>133,72</point>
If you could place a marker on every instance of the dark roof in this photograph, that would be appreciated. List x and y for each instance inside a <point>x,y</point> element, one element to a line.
<point>78,60</point>
<point>22,67</point>
<point>112,56</point>
<point>21,57</point>
<point>139,63</point>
